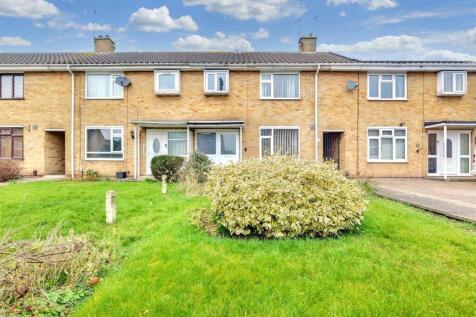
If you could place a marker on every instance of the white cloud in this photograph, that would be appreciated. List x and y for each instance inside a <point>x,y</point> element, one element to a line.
<point>219,42</point>
<point>285,40</point>
<point>464,38</point>
<point>404,47</point>
<point>159,20</point>
<point>61,24</point>
<point>342,14</point>
<point>370,4</point>
<point>13,41</point>
<point>262,33</point>
<point>415,15</point>
<point>261,10</point>
<point>33,9</point>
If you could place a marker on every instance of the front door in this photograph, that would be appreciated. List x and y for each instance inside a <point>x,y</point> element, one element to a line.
<point>457,153</point>
<point>156,145</point>
<point>451,153</point>
<point>221,146</point>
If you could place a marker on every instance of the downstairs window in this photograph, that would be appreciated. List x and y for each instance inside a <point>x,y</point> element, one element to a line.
<point>387,145</point>
<point>279,141</point>
<point>11,143</point>
<point>104,143</point>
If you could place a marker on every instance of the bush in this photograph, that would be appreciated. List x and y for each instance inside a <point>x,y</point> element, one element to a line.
<point>284,197</point>
<point>91,175</point>
<point>9,170</point>
<point>194,173</point>
<point>166,165</point>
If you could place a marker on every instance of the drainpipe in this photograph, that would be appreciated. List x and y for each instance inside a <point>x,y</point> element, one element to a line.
<point>316,109</point>
<point>72,121</point>
<point>445,152</point>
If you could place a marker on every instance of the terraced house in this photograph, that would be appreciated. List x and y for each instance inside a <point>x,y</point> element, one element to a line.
<point>65,113</point>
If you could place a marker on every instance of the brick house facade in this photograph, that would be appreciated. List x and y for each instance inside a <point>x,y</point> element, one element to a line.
<point>222,104</point>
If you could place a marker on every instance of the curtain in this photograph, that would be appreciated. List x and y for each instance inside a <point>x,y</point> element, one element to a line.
<point>177,147</point>
<point>98,86</point>
<point>459,82</point>
<point>286,142</point>
<point>373,86</point>
<point>228,144</point>
<point>206,143</point>
<point>399,86</point>
<point>448,82</point>
<point>373,149</point>
<point>400,149</point>
<point>387,149</point>
<point>464,144</point>
<point>286,85</point>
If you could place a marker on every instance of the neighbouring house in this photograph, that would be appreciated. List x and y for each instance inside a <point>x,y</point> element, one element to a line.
<point>65,113</point>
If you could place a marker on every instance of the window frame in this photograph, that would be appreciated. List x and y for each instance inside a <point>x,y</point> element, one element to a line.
<point>271,81</point>
<point>169,139</point>
<point>272,128</point>
<point>111,128</point>
<point>454,92</point>
<point>159,91</point>
<point>12,136</point>
<point>379,138</point>
<point>394,84</point>
<point>112,75</point>
<point>216,91</point>
<point>22,75</point>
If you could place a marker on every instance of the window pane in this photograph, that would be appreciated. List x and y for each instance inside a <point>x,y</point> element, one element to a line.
<point>432,144</point>
<point>399,149</point>
<point>7,86</point>
<point>386,77</point>
<point>399,86</point>
<point>387,132</point>
<point>432,165</point>
<point>373,149</point>
<point>464,165</point>
<point>266,90</point>
<point>464,144</point>
<point>167,81</point>
<point>373,86</point>
<point>265,76</point>
<point>387,149</point>
<point>265,132</point>
<point>386,90</point>
<point>228,144</point>
<point>18,91</point>
<point>211,82</point>
<point>98,86</point>
<point>99,140</point>
<point>206,143</point>
<point>117,144</point>
<point>116,89</point>
<point>177,135</point>
<point>17,147</point>
<point>449,148</point>
<point>177,147</point>
<point>374,132</point>
<point>265,147</point>
<point>399,132</point>
<point>286,85</point>
<point>286,142</point>
<point>5,146</point>
<point>448,82</point>
<point>459,82</point>
<point>221,81</point>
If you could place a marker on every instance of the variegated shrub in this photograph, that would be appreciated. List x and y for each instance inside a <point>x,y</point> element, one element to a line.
<point>284,197</point>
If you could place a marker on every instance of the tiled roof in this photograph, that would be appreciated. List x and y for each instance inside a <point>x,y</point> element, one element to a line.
<point>418,62</point>
<point>145,58</point>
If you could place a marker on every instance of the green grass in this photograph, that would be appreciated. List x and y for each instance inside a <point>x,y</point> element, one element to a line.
<point>402,262</point>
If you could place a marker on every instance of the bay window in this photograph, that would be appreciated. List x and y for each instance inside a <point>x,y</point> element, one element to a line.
<point>279,85</point>
<point>167,82</point>
<point>452,83</point>
<point>279,141</point>
<point>11,86</point>
<point>387,87</point>
<point>11,143</point>
<point>387,144</point>
<point>104,143</point>
<point>103,86</point>
<point>216,81</point>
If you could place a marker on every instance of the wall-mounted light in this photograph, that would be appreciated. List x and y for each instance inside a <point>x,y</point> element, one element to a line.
<point>133,134</point>
<point>402,124</point>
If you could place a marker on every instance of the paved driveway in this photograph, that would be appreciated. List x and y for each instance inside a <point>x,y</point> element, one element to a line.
<point>453,199</point>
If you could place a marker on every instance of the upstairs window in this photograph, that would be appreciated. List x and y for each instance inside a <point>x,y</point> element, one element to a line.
<point>11,143</point>
<point>167,82</point>
<point>387,87</point>
<point>387,145</point>
<point>216,82</point>
<point>279,85</point>
<point>451,83</point>
<point>11,86</point>
<point>104,143</point>
<point>103,86</point>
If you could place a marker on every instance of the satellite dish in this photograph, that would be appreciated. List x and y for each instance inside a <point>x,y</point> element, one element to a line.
<point>351,85</point>
<point>122,81</point>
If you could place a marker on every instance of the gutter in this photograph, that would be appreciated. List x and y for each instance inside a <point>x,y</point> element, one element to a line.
<point>72,121</point>
<point>316,114</point>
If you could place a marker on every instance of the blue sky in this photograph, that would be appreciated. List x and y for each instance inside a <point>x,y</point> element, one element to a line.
<point>369,29</point>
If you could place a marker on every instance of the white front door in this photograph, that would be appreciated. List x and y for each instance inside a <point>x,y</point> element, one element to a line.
<point>221,146</point>
<point>457,153</point>
<point>156,145</point>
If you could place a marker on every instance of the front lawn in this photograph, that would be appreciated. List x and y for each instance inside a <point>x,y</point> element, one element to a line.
<point>402,262</point>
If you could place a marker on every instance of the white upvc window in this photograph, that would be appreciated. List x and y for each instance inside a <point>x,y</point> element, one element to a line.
<point>177,143</point>
<point>279,141</point>
<point>387,87</point>
<point>452,83</point>
<point>387,144</point>
<point>104,143</point>
<point>280,85</point>
<point>103,86</point>
<point>167,82</point>
<point>216,81</point>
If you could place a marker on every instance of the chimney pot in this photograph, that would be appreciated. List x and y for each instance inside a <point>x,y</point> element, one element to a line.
<point>104,44</point>
<point>308,43</point>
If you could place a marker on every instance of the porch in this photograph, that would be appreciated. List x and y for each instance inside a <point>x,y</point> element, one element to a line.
<point>220,140</point>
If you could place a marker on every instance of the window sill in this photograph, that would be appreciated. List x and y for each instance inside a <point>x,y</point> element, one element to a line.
<point>116,98</point>
<point>11,159</point>
<point>104,159</point>
<point>387,161</point>
<point>387,99</point>
<point>451,94</point>
<point>167,93</point>
<point>290,99</point>
<point>216,93</point>
<point>12,98</point>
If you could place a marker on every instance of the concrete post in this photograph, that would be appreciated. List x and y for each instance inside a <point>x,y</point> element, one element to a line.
<point>164,184</point>
<point>110,207</point>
